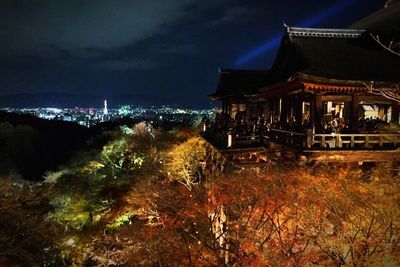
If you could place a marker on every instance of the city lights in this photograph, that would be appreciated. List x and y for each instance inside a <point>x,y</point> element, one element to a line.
<point>92,116</point>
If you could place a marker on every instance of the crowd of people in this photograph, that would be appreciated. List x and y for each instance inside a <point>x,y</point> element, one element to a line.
<point>253,125</point>
<point>371,124</point>
<point>241,125</point>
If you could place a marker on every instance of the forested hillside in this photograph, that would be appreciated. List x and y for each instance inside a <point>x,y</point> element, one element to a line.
<point>31,146</point>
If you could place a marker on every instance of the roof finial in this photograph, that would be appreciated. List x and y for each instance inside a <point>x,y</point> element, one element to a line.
<point>286,28</point>
<point>391,2</point>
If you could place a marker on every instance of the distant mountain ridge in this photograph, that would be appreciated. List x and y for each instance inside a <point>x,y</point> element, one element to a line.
<point>65,100</point>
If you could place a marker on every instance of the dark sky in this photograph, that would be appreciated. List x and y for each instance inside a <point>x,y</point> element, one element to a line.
<point>159,47</point>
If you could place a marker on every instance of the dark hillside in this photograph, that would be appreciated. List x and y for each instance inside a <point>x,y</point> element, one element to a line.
<point>32,146</point>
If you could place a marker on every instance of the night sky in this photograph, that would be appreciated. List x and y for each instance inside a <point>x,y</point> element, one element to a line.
<point>168,49</point>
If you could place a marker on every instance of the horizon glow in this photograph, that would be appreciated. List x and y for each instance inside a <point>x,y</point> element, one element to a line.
<point>274,41</point>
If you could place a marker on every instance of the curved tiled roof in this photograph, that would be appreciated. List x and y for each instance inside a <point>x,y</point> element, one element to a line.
<point>385,19</point>
<point>342,54</point>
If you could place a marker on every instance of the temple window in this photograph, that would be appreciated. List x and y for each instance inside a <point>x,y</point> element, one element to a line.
<point>237,110</point>
<point>376,111</point>
<point>333,109</point>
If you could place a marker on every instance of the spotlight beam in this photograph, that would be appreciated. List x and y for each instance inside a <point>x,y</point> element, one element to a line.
<point>274,41</point>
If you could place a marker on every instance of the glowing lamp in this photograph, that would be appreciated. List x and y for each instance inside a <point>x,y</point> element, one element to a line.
<point>229,140</point>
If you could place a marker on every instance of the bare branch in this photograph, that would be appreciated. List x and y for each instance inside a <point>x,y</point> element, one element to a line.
<point>391,92</point>
<point>393,46</point>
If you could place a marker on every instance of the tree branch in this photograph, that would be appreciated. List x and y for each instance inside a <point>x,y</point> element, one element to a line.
<point>391,47</point>
<point>392,93</point>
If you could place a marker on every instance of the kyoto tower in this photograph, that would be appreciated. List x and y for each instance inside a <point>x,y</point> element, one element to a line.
<point>105,111</point>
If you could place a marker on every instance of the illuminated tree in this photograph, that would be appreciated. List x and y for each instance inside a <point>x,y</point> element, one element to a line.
<point>185,162</point>
<point>144,136</point>
<point>121,156</point>
<point>70,211</point>
<point>287,217</point>
<point>294,218</point>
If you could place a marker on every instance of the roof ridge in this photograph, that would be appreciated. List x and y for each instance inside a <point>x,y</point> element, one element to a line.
<point>324,32</point>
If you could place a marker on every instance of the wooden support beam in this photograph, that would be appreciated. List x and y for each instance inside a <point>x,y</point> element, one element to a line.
<point>298,105</point>
<point>316,112</point>
<point>284,109</point>
<point>337,98</point>
<point>347,112</point>
<point>355,105</point>
<point>353,155</point>
<point>395,112</point>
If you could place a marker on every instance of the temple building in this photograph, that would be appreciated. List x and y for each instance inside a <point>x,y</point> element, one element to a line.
<point>330,95</point>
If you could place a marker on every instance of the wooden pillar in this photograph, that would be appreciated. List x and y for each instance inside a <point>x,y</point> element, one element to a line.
<point>309,138</point>
<point>347,112</point>
<point>316,112</point>
<point>266,109</point>
<point>274,108</point>
<point>248,107</point>
<point>395,112</point>
<point>260,108</point>
<point>298,110</point>
<point>284,109</point>
<point>355,105</point>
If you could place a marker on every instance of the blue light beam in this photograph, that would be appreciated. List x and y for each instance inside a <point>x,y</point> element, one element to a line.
<point>273,42</point>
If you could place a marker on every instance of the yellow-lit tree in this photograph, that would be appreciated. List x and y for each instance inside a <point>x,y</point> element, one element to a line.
<point>186,161</point>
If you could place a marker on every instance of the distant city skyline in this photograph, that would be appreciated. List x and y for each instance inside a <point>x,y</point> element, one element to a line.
<point>91,116</point>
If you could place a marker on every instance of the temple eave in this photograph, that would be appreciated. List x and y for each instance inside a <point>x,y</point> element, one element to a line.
<point>321,85</point>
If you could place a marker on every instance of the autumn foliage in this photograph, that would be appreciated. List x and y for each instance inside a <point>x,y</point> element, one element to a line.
<point>142,200</point>
<point>186,161</point>
<point>297,218</point>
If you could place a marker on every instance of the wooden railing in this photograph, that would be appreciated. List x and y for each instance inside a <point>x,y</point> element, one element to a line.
<point>333,141</point>
<point>309,140</point>
<point>367,141</point>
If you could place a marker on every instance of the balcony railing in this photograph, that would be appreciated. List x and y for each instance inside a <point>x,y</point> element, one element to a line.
<point>334,141</point>
<point>367,141</point>
<point>318,141</point>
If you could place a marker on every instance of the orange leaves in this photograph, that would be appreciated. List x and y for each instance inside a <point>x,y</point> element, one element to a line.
<point>285,218</point>
<point>303,216</point>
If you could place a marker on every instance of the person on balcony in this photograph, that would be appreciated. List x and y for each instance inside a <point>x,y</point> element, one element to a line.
<point>335,124</point>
